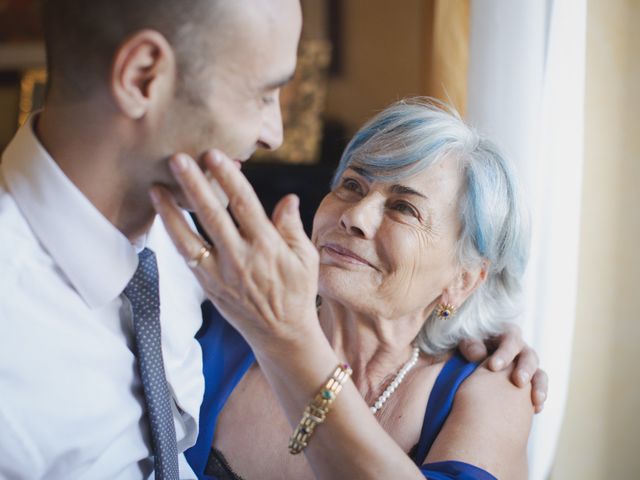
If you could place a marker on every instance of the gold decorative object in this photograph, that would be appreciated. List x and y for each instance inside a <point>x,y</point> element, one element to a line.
<point>32,85</point>
<point>317,410</point>
<point>445,310</point>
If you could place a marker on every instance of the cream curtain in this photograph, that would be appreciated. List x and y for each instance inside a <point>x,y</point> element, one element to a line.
<point>526,89</point>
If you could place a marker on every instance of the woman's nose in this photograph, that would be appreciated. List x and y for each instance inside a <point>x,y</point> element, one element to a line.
<point>361,219</point>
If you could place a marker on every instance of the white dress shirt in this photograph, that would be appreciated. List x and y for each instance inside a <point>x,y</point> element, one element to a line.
<point>71,399</point>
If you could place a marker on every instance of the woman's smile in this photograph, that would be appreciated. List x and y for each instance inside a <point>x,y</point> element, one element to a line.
<point>343,255</point>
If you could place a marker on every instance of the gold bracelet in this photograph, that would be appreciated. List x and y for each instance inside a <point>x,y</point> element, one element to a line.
<point>317,410</point>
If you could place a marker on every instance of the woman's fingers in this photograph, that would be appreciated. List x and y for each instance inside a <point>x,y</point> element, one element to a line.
<point>188,242</point>
<point>243,201</point>
<point>287,220</point>
<point>539,389</point>
<point>211,213</point>
<point>473,350</point>
<point>509,347</point>
<point>526,365</point>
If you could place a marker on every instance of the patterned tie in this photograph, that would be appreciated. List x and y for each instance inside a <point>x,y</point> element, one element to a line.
<point>143,295</point>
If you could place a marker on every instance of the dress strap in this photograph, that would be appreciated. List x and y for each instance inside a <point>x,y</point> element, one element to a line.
<point>454,372</point>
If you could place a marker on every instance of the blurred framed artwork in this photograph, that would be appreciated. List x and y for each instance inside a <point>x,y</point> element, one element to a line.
<point>32,90</point>
<point>303,103</point>
<point>21,60</point>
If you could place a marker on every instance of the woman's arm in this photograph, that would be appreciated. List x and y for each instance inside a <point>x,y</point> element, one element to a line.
<point>350,443</point>
<point>488,426</point>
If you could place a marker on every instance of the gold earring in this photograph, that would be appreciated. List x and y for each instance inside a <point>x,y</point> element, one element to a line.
<point>445,310</point>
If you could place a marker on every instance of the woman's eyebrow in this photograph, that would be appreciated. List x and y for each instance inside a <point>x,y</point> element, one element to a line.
<point>404,190</point>
<point>360,171</point>
<point>396,188</point>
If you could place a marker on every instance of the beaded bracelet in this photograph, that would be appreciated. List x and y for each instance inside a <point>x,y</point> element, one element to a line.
<point>317,410</point>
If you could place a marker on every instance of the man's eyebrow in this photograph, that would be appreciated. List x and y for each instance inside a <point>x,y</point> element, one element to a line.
<point>404,190</point>
<point>281,82</point>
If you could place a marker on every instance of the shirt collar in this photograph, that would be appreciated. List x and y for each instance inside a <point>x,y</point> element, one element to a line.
<point>94,255</point>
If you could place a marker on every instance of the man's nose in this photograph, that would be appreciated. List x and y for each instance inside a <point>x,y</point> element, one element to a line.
<point>271,135</point>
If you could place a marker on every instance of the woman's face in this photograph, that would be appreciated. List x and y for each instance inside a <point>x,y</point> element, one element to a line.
<point>388,248</point>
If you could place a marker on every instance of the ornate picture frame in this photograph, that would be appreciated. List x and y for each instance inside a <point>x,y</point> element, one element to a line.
<point>32,90</point>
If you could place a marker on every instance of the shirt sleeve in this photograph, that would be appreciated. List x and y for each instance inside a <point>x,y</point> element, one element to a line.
<point>452,470</point>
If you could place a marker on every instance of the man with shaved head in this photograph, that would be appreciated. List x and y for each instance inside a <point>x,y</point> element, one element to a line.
<point>100,373</point>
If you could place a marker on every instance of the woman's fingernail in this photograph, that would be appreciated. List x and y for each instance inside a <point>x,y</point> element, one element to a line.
<point>498,364</point>
<point>541,396</point>
<point>293,205</point>
<point>155,196</point>
<point>179,163</point>
<point>524,377</point>
<point>216,157</point>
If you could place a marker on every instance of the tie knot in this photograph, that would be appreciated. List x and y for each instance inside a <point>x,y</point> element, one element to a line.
<point>146,256</point>
<point>144,284</point>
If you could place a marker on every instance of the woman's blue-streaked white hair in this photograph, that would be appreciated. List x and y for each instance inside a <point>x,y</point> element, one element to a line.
<point>414,134</point>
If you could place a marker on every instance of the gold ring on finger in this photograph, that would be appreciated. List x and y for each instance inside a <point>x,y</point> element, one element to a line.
<point>204,252</point>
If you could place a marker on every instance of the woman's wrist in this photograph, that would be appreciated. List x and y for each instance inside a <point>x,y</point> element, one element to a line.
<point>296,368</point>
<point>291,338</point>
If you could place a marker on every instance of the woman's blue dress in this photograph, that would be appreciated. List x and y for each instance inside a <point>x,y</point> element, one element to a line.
<point>227,357</point>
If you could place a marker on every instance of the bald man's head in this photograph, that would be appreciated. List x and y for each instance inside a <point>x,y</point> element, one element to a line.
<point>82,36</point>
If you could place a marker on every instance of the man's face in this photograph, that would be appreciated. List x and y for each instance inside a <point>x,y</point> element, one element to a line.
<point>253,55</point>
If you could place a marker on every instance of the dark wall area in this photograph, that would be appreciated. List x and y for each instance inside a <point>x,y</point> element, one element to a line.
<point>273,181</point>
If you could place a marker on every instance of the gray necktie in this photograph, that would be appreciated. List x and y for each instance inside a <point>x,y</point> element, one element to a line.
<point>143,294</point>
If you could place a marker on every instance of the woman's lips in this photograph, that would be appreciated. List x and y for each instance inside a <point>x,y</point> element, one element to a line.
<point>344,254</point>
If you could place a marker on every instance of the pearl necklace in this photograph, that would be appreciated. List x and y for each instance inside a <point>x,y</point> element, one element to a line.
<point>395,383</point>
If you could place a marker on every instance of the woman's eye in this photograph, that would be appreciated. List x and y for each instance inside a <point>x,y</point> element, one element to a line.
<point>405,209</point>
<point>350,184</point>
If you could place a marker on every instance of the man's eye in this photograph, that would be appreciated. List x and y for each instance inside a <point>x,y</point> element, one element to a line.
<point>271,97</point>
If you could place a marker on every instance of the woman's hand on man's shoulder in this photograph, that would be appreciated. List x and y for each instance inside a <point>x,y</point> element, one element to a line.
<point>509,351</point>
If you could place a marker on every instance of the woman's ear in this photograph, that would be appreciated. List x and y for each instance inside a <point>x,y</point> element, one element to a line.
<point>142,73</point>
<point>464,284</point>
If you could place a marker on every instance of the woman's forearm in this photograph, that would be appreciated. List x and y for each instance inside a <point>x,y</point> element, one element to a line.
<point>350,443</point>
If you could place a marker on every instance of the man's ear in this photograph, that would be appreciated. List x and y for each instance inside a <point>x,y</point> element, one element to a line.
<point>464,284</point>
<point>143,71</point>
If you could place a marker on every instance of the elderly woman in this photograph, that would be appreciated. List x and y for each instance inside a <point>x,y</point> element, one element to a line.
<point>421,245</point>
